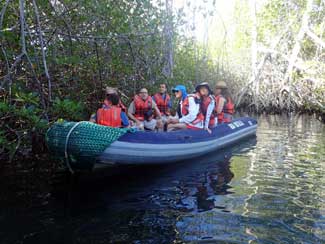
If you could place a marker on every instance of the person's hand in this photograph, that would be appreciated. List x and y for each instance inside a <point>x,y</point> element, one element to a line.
<point>138,123</point>
<point>172,121</point>
<point>208,130</point>
<point>159,124</point>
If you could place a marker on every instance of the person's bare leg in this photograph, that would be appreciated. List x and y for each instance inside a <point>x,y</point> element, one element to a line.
<point>160,125</point>
<point>178,126</point>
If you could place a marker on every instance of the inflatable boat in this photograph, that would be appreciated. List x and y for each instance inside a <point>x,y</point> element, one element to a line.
<point>84,144</point>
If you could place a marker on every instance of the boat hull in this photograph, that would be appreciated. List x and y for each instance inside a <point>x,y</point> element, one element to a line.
<point>147,148</point>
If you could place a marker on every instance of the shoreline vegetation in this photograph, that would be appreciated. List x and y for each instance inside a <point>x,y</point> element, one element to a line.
<point>56,57</point>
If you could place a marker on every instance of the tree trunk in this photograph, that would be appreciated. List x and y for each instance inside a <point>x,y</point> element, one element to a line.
<point>254,46</point>
<point>168,33</point>
<point>296,48</point>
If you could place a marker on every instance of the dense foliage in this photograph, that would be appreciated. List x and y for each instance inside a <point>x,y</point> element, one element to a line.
<point>57,56</point>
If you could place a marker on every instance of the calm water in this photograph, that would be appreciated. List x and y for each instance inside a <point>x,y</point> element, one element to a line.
<point>268,189</point>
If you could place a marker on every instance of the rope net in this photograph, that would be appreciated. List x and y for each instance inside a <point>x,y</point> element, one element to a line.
<point>80,143</point>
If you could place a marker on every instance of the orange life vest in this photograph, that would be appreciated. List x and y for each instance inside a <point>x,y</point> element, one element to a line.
<point>186,104</point>
<point>142,107</point>
<point>109,116</point>
<point>162,103</point>
<point>228,110</point>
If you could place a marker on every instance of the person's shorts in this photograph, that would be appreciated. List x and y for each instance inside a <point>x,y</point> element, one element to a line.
<point>150,125</point>
<point>164,118</point>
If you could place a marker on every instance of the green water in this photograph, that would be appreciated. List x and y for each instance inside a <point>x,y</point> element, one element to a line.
<point>268,189</point>
<point>278,189</point>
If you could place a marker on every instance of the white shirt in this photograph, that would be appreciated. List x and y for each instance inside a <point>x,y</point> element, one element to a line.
<point>193,111</point>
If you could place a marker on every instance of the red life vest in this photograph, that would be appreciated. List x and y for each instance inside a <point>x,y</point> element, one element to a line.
<point>110,116</point>
<point>204,108</point>
<point>228,110</point>
<point>186,105</point>
<point>205,104</point>
<point>142,107</point>
<point>162,104</point>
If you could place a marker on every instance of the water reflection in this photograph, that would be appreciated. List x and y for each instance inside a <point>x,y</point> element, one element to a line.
<point>278,189</point>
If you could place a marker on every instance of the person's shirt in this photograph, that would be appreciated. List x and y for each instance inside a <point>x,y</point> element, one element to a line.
<point>123,116</point>
<point>131,108</point>
<point>169,104</point>
<point>193,111</point>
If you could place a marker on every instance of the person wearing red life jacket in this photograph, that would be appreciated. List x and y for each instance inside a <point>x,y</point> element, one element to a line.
<point>144,112</point>
<point>207,103</point>
<point>110,114</point>
<point>224,108</point>
<point>189,115</point>
<point>163,101</point>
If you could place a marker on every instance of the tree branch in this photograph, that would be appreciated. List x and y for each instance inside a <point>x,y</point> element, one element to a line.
<point>300,36</point>
<point>2,13</point>
<point>315,38</point>
<point>22,26</point>
<point>39,30</point>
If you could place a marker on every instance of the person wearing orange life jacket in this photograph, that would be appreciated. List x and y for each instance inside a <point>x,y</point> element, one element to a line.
<point>189,115</point>
<point>111,90</point>
<point>224,108</point>
<point>111,114</point>
<point>108,91</point>
<point>207,103</point>
<point>144,112</point>
<point>163,102</point>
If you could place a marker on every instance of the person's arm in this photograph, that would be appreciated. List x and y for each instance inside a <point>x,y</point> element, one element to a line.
<point>93,118</point>
<point>209,112</point>
<point>192,113</point>
<point>220,105</point>
<point>169,104</point>
<point>125,120</point>
<point>131,111</point>
<point>156,109</point>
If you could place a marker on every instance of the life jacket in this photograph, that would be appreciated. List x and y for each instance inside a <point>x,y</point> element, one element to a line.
<point>228,110</point>
<point>205,104</point>
<point>142,107</point>
<point>162,104</point>
<point>204,108</point>
<point>109,116</point>
<point>186,105</point>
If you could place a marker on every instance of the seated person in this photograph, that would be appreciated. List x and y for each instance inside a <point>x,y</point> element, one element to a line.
<point>224,107</point>
<point>207,104</point>
<point>163,101</point>
<point>110,90</point>
<point>142,110</point>
<point>188,111</point>
<point>111,114</point>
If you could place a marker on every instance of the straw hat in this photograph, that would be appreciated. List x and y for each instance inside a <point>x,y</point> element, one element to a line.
<point>110,90</point>
<point>221,85</point>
